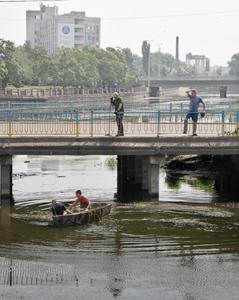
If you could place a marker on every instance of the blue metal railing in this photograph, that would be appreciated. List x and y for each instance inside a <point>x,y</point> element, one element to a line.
<point>101,123</point>
<point>130,105</point>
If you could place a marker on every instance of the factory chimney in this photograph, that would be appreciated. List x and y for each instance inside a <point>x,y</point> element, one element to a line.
<point>177,48</point>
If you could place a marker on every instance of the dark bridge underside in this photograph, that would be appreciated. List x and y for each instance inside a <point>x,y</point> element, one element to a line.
<point>119,146</point>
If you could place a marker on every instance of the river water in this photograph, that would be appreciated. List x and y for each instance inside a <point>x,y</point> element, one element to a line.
<point>183,246</point>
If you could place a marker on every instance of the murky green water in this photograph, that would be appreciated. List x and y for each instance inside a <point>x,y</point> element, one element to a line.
<point>184,246</point>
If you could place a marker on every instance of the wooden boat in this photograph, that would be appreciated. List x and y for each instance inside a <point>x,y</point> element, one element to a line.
<point>94,214</point>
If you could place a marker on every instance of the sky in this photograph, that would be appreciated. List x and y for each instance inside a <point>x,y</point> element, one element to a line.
<point>204,27</point>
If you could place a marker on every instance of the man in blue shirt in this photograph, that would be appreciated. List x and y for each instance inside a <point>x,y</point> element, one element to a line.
<point>195,101</point>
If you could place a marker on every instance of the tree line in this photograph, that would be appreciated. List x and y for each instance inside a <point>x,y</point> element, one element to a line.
<point>86,68</point>
<point>24,65</point>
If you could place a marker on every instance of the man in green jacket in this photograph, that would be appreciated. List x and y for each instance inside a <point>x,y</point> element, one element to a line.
<point>118,104</point>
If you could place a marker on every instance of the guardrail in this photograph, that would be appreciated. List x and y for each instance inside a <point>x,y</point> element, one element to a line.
<point>68,91</point>
<point>102,123</point>
<point>103,105</point>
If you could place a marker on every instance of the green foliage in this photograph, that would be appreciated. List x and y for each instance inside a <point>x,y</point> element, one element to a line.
<point>164,64</point>
<point>87,68</point>
<point>234,65</point>
<point>111,163</point>
<point>3,71</point>
<point>233,133</point>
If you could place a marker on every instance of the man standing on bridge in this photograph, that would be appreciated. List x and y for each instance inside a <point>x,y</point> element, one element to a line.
<point>117,102</point>
<point>195,101</point>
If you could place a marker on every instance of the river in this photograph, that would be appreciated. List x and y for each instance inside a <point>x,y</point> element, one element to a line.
<point>183,246</point>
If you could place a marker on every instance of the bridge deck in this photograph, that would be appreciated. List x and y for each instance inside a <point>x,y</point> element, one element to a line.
<point>165,145</point>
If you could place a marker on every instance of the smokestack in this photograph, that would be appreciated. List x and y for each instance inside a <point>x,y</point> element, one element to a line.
<point>177,48</point>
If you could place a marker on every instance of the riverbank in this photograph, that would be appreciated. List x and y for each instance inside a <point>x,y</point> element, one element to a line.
<point>198,163</point>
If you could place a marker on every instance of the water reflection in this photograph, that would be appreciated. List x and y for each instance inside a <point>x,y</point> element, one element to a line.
<point>177,247</point>
<point>5,213</point>
<point>175,181</point>
<point>227,187</point>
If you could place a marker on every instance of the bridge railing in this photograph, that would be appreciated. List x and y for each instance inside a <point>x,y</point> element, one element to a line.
<point>103,105</point>
<point>103,123</point>
<point>58,91</point>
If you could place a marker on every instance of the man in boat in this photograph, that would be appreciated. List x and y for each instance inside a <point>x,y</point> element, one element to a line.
<point>58,208</point>
<point>195,101</point>
<point>81,200</point>
<point>118,104</point>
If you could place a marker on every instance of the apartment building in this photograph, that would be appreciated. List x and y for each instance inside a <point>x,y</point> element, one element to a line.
<point>46,28</point>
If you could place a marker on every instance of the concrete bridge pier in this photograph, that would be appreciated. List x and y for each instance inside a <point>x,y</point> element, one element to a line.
<point>138,178</point>
<point>226,183</point>
<point>6,178</point>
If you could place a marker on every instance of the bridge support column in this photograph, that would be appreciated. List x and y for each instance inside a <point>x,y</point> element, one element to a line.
<point>138,178</point>
<point>6,178</point>
<point>153,177</point>
<point>126,178</point>
<point>226,183</point>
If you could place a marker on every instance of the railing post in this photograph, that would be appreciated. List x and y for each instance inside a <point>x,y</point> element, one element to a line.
<point>158,118</point>
<point>171,110</point>
<point>92,123</point>
<point>223,122</point>
<point>77,124</point>
<point>237,119</point>
<point>9,119</point>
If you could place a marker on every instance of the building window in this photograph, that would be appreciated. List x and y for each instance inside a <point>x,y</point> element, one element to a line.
<point>79,29</point>
<point>78,21</point>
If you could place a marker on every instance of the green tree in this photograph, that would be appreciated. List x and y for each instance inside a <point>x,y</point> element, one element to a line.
<point>6,52</point>
<point>22,66</point>
<point>89,76</point>
<point>3,71</point>
<point>234,65</point>
<point>43,67</point>
<point>69,70</point>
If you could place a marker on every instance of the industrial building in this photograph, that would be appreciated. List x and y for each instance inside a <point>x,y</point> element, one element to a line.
<point>200,63</point>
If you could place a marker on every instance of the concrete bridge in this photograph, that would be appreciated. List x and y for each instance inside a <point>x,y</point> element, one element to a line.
<point>203,85</point>
<point>139,158</point>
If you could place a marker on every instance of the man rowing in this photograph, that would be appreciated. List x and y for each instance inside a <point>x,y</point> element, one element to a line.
<point>58,208</point>
<point>81,200</point>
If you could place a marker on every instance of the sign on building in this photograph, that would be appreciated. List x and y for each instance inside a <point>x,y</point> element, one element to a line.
<point>66,35</point>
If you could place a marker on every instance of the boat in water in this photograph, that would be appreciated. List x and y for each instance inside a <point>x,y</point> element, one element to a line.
<point>82,217</point>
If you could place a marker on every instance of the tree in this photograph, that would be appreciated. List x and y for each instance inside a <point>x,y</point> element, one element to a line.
<point>3,71</point>
<point>88,62</point>
<point>234,65</point>
<point>21,72</point>
<point>6,51</point>
<point>43,67</point>
<point>69,70</point>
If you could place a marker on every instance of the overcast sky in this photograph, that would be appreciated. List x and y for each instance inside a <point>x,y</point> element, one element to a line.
<point>210,29</point>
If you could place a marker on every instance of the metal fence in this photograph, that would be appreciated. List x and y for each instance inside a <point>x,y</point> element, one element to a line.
<point>143,105</point>
<point>103,123</point>
<point>64,91</point>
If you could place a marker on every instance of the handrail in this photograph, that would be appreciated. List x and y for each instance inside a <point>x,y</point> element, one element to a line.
<point>102,123</point>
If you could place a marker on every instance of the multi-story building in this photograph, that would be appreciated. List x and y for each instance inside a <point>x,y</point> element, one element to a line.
<point>47,29</point>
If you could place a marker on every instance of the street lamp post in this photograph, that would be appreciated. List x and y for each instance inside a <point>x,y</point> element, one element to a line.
<point>149,71</point>
<point>149,65</point>
<point>159,45</point>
